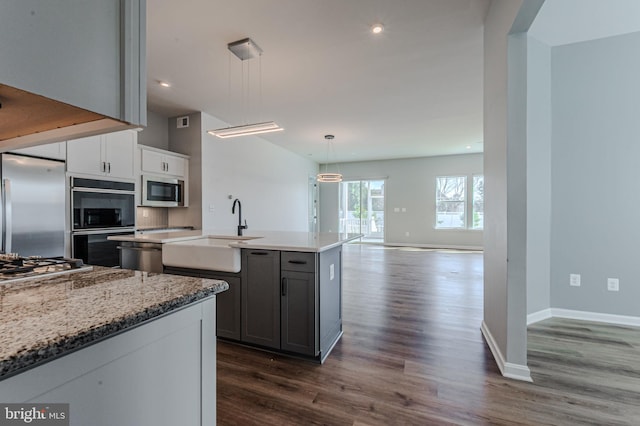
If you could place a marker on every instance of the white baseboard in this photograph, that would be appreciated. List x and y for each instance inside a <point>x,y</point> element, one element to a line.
<point>508,369</point>
<point>539,316</point>
<point>595,316</point>
<point>434,246</point>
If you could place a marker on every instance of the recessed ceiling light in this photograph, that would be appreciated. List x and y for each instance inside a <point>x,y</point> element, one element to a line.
<point>377,28</point>
<point>164,84</point>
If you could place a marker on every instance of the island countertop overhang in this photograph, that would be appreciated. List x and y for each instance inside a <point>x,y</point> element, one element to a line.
<point>264,240</point>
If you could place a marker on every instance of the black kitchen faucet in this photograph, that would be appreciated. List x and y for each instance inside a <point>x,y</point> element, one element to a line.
<point>233,211</point>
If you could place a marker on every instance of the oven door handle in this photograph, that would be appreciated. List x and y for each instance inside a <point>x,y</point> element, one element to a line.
<point>138,248</point>
<point>104,231</point>
<point>6,216</point>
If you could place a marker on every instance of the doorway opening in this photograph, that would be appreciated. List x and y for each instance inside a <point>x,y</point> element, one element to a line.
<point>361,209</point>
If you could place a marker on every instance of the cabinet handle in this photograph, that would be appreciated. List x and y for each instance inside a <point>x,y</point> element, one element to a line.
<point>108,167</point>
<point>298,262</point>
<point>259,253</point>
<point>104,167</point>
<point>166,165</point>
<point>283,286</point>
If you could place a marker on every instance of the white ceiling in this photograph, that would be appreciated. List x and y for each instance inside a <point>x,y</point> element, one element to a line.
<point>414,90</point>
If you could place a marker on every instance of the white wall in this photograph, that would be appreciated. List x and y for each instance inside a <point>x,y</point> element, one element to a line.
<point>271,183</point>
<point>410,184</point>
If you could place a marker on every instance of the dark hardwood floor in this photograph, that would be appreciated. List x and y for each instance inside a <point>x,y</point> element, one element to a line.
<point>412,354</point>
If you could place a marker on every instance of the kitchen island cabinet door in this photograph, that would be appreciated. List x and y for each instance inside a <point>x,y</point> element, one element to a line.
<point>260,275</point>
<point>298,312</point>
<point>228,309</point>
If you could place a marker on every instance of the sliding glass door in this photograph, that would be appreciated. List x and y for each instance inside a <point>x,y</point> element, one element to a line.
<point>362,208</point>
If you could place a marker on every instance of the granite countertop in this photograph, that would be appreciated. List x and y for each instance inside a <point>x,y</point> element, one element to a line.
<point>44,318</point>
<point>266,240</point>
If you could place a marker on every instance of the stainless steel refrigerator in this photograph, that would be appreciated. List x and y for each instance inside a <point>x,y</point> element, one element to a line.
<point>33,206</point>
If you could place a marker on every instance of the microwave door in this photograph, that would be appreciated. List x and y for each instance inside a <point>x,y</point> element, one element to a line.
<point>160,192</point>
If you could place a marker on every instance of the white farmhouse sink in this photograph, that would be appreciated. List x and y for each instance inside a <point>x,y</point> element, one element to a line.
<point>213,254</point>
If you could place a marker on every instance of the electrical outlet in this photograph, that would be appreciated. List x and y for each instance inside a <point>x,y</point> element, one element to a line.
<point>145,213</point>
<point>613,284</point>
<point>574,280</point>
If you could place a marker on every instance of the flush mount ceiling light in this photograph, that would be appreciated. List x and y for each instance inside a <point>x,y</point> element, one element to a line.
<point>328,176</point>
<point>164,84</point>
<point>377,28</point>
<point>245,50</point>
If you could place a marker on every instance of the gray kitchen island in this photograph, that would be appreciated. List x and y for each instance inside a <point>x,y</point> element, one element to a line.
<point>285,288</point>
<point>118,346</point>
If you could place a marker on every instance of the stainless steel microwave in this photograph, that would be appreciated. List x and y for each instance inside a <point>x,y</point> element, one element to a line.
<point>162,192</point>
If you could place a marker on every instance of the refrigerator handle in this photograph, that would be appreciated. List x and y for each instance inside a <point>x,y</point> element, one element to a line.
<point>2,227</point>
<point>6,210</point>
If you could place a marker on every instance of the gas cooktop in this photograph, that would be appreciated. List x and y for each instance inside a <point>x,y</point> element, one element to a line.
<point>15,267</point>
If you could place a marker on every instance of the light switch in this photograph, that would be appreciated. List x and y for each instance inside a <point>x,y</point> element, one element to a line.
<point>396,209</point>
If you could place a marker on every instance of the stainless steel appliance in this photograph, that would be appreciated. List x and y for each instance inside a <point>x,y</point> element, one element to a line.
<point>141,256</point>
<point>100,208</point>
<point>162,192</point>
<point>15,268</point>
<point>33,206</point>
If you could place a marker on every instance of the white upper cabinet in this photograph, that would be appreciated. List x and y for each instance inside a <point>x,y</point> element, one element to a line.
<point>162,162</point>
<point>55,151</point>
<point>111,155</point>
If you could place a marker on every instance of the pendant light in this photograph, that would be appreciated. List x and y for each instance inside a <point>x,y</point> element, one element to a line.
<point>246,49</point>
<point>328,176</point>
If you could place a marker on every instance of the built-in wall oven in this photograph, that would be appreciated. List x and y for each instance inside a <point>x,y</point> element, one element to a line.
<point>100,209</point>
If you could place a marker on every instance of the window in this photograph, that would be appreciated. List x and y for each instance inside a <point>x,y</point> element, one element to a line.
<point>452,209</point>
<point>451,202</point>
<point>478,202</point>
